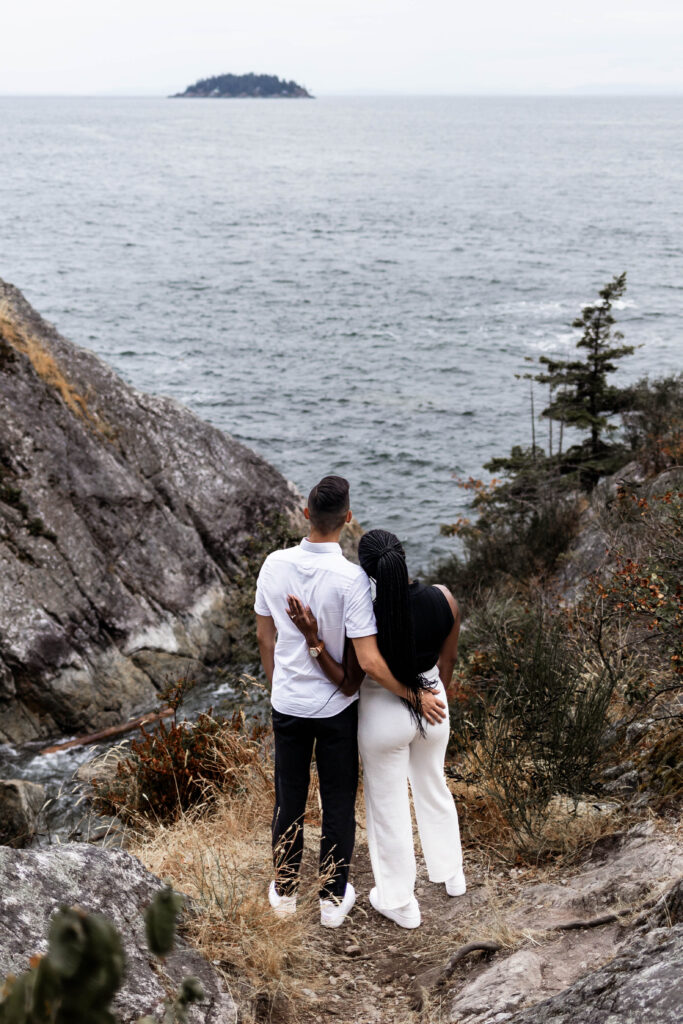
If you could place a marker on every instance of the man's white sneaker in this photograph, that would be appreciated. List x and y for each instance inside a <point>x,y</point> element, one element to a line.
<point>456,886</point>
<point>407,916</point>
<point>282,905</point>
<point>332,914</point>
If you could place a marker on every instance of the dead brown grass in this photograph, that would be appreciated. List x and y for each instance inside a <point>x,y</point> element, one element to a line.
<point>219,855</point>
<point>49,370</point>
<point>564,830</point>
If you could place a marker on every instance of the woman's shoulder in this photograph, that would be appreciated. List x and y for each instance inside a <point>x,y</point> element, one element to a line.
<point>449,597</point>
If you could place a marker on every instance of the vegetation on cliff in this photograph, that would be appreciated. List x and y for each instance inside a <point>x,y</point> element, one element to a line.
<point>544,676</point>
<point>251,84</point>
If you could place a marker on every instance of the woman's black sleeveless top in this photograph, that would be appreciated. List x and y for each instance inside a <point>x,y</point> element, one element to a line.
<point>432,622</point>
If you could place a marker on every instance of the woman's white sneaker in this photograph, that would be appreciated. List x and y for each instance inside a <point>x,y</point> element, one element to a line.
<point>456,885</point>
<point>332,914</point>
<point>282,905</point>
<point>407,916</point>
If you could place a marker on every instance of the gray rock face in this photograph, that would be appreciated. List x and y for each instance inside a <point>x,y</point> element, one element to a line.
<point>621,873</point>
<point>20,804</point>
<point>643,983</point>
<point>587,553</point>
<point>124,521</point>
<point>34,883</point>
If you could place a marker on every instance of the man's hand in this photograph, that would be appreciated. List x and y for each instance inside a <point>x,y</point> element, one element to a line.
<point>433,709</point>
<point>372,662</point>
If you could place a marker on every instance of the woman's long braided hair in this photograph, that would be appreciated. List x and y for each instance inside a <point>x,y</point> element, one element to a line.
<point>382,557</point>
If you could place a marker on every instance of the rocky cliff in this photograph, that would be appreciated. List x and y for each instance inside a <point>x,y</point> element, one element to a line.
<point>124,522</point>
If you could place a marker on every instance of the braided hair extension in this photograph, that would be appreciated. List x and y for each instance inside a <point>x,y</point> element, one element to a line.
<point>382,557</point>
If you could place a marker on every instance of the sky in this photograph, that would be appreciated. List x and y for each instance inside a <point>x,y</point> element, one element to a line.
<point>155,47</point>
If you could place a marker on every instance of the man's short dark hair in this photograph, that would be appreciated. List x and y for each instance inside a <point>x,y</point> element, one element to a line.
<point>328,503</point>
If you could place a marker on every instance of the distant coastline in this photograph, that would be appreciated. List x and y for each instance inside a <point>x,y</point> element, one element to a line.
<point>250,85</point>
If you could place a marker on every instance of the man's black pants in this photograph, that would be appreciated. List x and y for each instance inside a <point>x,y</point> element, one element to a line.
<point>336,755</point>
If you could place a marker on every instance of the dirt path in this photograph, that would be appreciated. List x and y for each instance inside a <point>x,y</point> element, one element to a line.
<point>369,966</point>
<point>372,971</point>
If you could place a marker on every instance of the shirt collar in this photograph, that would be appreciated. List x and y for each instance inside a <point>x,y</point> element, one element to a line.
<point>330,547</point>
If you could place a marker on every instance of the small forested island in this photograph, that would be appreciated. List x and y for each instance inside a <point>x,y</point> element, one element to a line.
<point>232,86</point>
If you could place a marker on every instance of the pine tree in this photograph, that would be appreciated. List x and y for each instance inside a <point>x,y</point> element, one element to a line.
<point>580,394</point>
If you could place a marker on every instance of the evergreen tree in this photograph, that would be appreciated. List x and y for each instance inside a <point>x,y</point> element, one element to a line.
<point>580,394</point>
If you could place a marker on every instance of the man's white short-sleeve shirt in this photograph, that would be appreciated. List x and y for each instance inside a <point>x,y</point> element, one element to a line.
<point>338,593</point>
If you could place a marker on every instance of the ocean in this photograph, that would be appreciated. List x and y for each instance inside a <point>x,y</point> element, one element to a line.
<point>349,285</point>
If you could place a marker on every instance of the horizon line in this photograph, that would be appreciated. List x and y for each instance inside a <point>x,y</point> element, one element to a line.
<point>572,91</point>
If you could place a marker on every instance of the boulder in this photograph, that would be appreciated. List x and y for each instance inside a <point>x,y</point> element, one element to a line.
<point>623,871</point>
<point>35,883</point>
<point>20,805</point>
<point>644,982</point>
<point>125,525</point>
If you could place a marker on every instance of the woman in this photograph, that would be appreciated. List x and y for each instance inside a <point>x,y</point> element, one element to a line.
<point>417,633</point>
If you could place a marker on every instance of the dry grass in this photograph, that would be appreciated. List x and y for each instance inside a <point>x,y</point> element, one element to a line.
<point>563,831</point>
<point>220,857</point>
<point>49,370</point>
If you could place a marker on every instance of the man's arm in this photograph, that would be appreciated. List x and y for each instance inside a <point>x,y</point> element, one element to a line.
<point>265,634</point>
<point>374,665</point>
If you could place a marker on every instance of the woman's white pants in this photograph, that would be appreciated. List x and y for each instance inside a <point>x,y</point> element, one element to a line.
<point>393,753</point>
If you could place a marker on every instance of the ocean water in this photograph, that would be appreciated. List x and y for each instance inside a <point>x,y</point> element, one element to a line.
<point>348,285</point>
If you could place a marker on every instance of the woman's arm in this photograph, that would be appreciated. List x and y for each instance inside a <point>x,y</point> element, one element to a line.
<point>349,675</point>
<point>449,650</point>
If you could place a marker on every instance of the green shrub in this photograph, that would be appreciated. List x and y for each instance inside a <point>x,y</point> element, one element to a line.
<point>525,523</point>
<point>175,766</point>
<point>653,421</point>
<point>529,714</point>
<point>630,616</point>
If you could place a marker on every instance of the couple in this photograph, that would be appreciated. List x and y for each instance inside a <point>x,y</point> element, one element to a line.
<point>322,641</point>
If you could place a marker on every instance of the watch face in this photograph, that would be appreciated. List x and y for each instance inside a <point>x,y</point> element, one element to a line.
<point>314,652</point>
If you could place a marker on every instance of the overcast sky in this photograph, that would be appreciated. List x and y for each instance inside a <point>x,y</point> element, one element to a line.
<point>344,46</point>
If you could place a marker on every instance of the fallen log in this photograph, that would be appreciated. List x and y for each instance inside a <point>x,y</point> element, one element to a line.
<point>113,730</point>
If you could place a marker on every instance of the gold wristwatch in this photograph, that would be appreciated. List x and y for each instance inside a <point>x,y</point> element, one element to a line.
<point>316,651</point>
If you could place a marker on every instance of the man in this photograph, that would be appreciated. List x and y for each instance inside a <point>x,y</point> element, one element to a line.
<point>308,709</point>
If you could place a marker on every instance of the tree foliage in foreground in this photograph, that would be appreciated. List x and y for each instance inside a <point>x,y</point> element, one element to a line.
<point>84,967</point>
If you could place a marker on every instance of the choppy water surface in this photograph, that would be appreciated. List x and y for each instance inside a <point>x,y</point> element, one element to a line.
<point>347,285</point>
